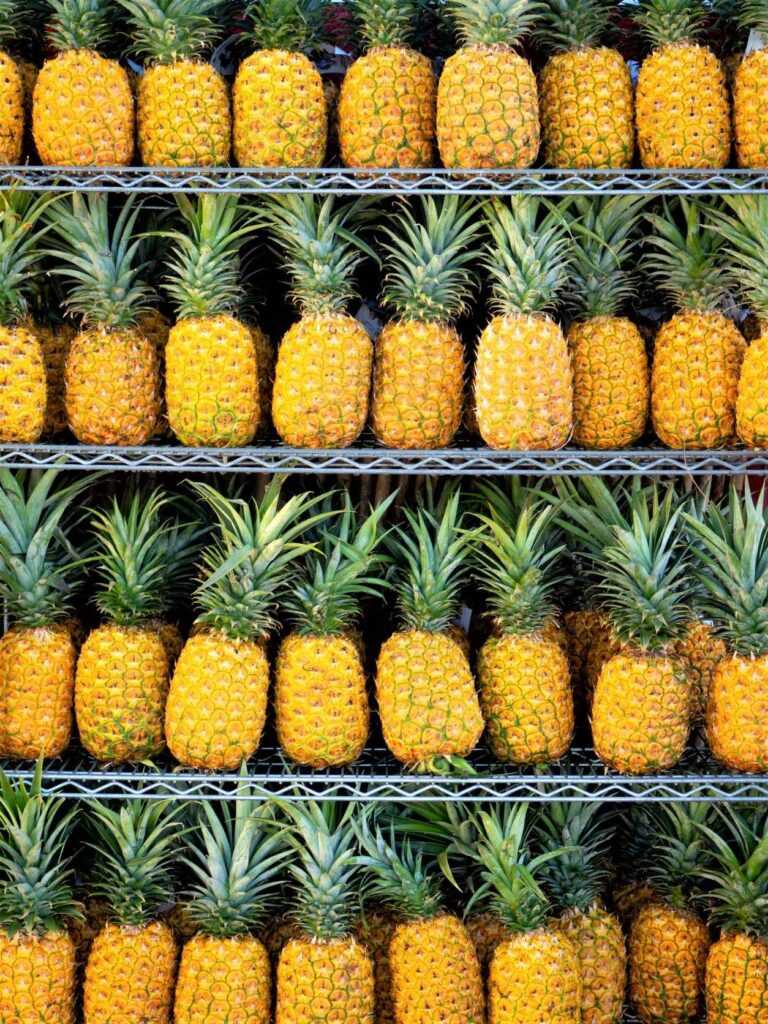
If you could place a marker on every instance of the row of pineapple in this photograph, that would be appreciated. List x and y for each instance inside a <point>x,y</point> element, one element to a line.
<point>116,377</point>
<point>358,908</point>
<point>662,565</point>
<point>487,110</point>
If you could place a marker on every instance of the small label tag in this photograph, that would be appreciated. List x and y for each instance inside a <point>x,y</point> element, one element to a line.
<point>756,41</point>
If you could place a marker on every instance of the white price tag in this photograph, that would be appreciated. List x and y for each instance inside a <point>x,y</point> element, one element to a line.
<point>756,41</point>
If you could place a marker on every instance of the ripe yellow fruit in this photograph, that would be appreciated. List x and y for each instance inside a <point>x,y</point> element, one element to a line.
<point>12,106</point>
<point>751,398</point>
<point>737,979</point>
<point>341,985</point>
<point>55,342</point>
<point>702,651</point>
<point>667,958</point>
<point>266,357</point>
<point>737,713</point>
<point>598,939</point>
<point>23,385</point>
<point>535,977</point>
<point>487,932</point>
<point>750,117</point>
<point>223,980</point>
<point>37,978</point>
<point>374,931</point>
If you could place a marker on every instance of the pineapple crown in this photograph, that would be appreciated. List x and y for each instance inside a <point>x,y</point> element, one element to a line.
<point>80,24</point>
<point>494,22</point>
<point>517,558</point>
<point>327,897</point>
<point>135,846</point>
<point>731,568</point>
<point>738,897</point>
<point>743,225</point>
<point>528,258</point>
<point>37,563</point>
<point>753,14</point>
<point>36,895</point>
<point>577,877</point>
<point>204,267</point>
<point>19,252</point>
<point>247,569</point>
<point>338,573</point>
<point>669,21</point>
<point>385,22</point>
<point>98,261</point>
<point>17,20</point>
<point>165,31</point>
<point>293,25</point>
<point>143,558</point>
<point>442,830</point>
<point>679,851</point>
<point>428,276</point>
<point>321,252</point>
<point>574,24</point>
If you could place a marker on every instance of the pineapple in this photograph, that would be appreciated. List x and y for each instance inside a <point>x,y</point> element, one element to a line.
<point>112,376</point>
<point>581,626</point>
<point>702,650</point>
<point>217,701</point>
<point>375,930</point>
<point>211,367</point>
<point>131,966</point>
<point>321,700</point>
<point>523,379</point>
<point>82,107</point>
<point>123,671</point>
<point>387,102</point>
<point>280,108</point>
<point>668,941</point>
<point>37,581</point>
<point>37,953</point>
<point>418,379</point>
<point>55,339</point>
<point>610,364</point>
<point>682,109</point>
<point>698,353</point>
<point>325,974</point>
<point>487,931</point>
<point>16,22</point>
<point>487,98</point>
<point>750,82</point>
<point>524,675</point>
<point>323,372</point>
<point>586,95</point>
<point>428,705</point>
<point>731,560</point>
<point>183,115</point>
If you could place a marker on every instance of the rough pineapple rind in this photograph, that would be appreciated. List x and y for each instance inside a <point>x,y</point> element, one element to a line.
<point>217,702</point>
<point>535,977</point>
<point>280,111</point>
<point>487,109</point>
<point>752,395</point>
<point>120,692</point>
<point>83,111</point>
<point>55,342</point>
<point>702,651</point>
<point>737,713</point>
<point>750,115</point>
<point>487,932</point>
<point>11,110</point>
<point>23,385</point>
<point>183,116</point>
<point>598,939</point>
<point>266,357</point>
<point>523,384</point>
<point>322,382</point>
<point>130,974</point>
<point>525,692</point>
<point>737,980</point>
<point>318,982</point>
<point>387,110</point>
<point>587,109</point>
<point>223,981</point>
<point>667,957</point>
<point>682,109</point>
<point>37,978</point>
<point>321,700</point>
<point>694,381</point>
<point>434,964</point>
<point>374,931</point>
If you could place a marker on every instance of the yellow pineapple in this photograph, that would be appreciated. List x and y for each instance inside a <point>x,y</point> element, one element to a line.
<point>487,931</point>
<point>82,108</point>
<point>702,650</point>
<point>375,930</point>
<point>17,25</point>
<point>55,339</point>
<point>750,82</point>
<point>266,357</point>
<point>387,103</point>
<point>581,626</point>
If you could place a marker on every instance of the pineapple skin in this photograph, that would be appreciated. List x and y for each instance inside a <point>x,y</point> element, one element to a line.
<point>120,692</point>
<point>280,111</point>
<point>694,381</point>
<point>702,651</point>
<point>211,382</point>
<point>434,964</point>
<point>23,386</point>
<point>611,386</point>
<point>641,712</point>
<point>535,977</point>
<point>322,382</point>
<point>487,932</point>
<point>12,108</point>
<point>604,646</point>
<point>112,387</point>
<point>82,111</point>
<point>751,399</point>
<point>587,109</point>
<point>37,668</point>
<point>266,357</point>
<point>427,699</point>
<point>523,384</point>
<point>217,702</point>
<point>130,974</point>
<point>737,713</point>
<point>321,700</point>
<point>223,980</point>
<point>374,931</point>
<point>682,109</point>
<point>55,342</point>
<point>321,981</point>
<point>737,980</point>
<point>487,109</point>
<point>526,696</point>
<point>37,978</point>
<point>183,116</point>
<point>580,626</point>
<point>667,957</point>
<point>598,939</point>
<point>386,113</point>
<point>750,118</point>
<point>418,385</point>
